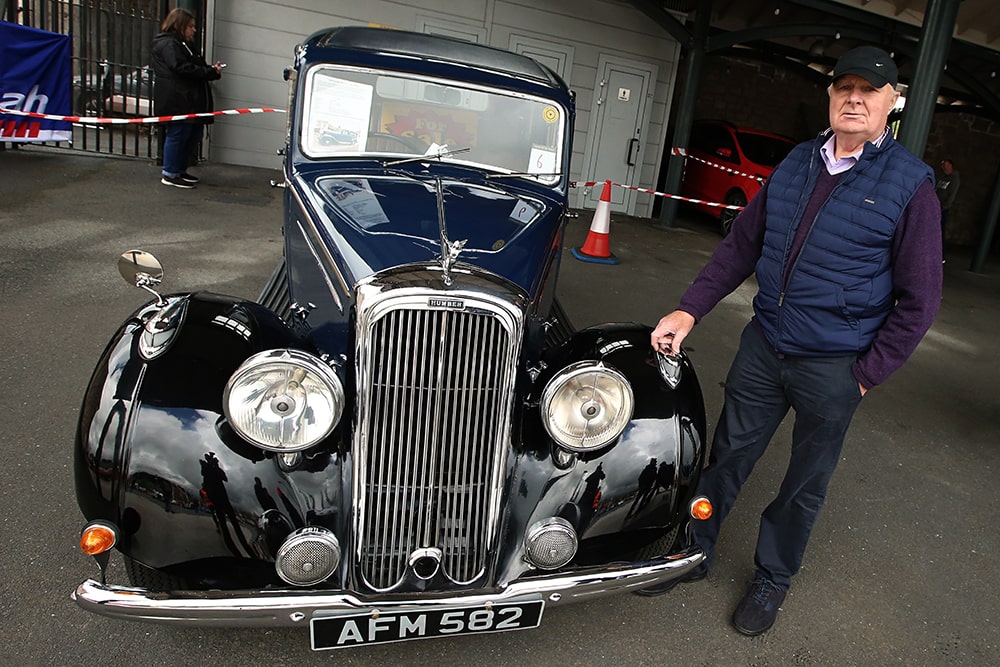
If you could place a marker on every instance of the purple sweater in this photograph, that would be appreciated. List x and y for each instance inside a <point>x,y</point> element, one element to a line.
<point>916,274</point>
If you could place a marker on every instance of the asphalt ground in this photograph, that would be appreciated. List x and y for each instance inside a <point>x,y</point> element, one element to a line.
<point>903,564</point>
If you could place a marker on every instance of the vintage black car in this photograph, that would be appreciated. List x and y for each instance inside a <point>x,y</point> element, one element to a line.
<point>404,437</point>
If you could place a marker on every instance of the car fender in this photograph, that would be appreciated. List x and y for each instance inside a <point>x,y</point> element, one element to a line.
<point>625,495</point>
<point>155,455</point>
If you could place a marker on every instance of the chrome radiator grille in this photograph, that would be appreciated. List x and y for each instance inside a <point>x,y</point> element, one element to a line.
<point>435,392</point>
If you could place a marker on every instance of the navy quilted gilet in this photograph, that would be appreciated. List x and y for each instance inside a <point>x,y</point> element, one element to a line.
<point>839,291</point>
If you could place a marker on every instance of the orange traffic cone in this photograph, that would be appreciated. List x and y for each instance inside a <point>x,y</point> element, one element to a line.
<point>596,248</point>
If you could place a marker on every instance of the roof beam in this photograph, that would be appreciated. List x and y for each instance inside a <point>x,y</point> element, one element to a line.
<point>662,18</point>
<point>728,39</point>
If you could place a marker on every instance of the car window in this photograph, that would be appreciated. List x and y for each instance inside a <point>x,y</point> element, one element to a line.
<point>764,150</point>
<point>714,140</point>
<point>351,112</point>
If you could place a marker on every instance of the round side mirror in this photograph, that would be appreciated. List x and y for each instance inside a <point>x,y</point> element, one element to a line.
<point>140,269</point>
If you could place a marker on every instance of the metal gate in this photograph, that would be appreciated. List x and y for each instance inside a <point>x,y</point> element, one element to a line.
<point>110,52</point>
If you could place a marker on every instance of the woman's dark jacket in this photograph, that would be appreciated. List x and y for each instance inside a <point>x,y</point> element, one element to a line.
<point>182,77</point>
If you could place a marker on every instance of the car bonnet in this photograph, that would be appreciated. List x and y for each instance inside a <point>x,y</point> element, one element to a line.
<point>375,222</point>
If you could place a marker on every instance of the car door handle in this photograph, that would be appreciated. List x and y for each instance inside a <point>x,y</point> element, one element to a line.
<point>632,145</point>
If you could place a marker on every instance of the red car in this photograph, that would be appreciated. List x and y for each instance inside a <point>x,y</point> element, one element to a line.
<point>728,164</point>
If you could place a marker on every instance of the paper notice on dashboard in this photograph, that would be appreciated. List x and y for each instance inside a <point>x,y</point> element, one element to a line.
<point>541,161</point>
<point>337,116</point>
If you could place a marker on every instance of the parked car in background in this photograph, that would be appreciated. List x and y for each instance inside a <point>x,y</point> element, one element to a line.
<point>404,437</point>
<point>728,164</point>
<point>111,89</point>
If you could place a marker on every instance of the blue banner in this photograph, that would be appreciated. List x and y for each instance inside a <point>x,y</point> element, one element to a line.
<point>35,76</point>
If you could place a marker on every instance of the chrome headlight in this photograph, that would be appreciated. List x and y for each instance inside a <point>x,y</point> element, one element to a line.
<point>586,405</point>
<point>283,400</point>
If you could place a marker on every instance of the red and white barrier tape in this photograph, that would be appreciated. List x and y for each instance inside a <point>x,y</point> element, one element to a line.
<point>676,150</point>
<point>94,120</point>
<point>590,184</point>
<point>678,197</point>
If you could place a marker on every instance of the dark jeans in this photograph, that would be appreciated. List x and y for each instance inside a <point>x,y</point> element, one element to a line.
<point>760,389</point>
<point>180,143</point>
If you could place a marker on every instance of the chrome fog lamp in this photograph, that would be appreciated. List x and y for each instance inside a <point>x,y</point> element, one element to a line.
<point>283,400</point>
<point>550,543</point>
<point>308,556</point>
<point>586,406</point>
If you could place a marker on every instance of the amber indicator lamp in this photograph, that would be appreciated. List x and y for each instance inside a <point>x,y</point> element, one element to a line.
<point>701,508</point>
<point>97,538</point>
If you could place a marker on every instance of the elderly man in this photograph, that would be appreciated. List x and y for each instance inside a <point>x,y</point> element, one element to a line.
<point>845,242</point>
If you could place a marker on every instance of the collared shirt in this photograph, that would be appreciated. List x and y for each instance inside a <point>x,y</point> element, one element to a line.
<point>836,166</point>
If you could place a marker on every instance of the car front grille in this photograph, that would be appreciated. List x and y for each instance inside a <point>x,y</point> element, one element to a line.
<point>435,395</point>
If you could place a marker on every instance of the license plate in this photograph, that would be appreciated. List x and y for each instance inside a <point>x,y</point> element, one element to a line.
<point>362,629</point>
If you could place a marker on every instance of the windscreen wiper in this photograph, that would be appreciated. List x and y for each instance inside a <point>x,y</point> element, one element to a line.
<point>442,151</point>
<point>524,174</point>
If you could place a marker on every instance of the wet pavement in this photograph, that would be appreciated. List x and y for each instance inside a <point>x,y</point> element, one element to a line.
<point>902,568</point>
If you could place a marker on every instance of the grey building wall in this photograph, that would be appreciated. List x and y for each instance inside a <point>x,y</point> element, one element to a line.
<point>256,39</point>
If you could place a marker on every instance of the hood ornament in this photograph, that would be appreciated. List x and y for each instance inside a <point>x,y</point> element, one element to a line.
<point>450,250</point>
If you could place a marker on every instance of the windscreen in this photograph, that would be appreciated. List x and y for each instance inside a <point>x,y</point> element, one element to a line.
<point>350,112</point>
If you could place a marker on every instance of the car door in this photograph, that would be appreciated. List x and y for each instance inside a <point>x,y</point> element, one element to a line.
<point>712,147</point>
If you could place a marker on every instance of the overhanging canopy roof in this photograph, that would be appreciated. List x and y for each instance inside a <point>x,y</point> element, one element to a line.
<point>814,33</point>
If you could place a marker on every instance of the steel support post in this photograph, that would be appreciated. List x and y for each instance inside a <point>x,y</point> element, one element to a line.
<point>921,98</point>
<point>685,110</point>
<point>989,228</point>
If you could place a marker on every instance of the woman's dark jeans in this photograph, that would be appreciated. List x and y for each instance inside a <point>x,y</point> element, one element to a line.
<point>178,147</point>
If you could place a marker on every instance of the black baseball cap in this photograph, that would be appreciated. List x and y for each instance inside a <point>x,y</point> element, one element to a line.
<point>870,63</point>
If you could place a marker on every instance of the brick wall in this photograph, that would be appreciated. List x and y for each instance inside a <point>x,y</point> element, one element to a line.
<point>762,96</point>
<point>973,144</point>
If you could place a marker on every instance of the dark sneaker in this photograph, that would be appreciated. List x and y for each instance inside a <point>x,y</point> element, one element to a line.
<point>757,611</point>
<point>176,181</point>
<point>188,178</point>
<point>697,574</point>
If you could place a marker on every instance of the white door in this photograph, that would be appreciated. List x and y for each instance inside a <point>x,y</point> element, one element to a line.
<point>616,141</point>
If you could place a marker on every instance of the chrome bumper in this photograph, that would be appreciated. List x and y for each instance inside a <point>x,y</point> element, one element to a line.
<point>291,607</point>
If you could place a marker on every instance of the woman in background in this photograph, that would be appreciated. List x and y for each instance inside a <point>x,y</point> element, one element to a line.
<point>182,77</point>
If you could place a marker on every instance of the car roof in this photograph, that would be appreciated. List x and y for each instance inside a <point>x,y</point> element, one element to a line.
<point>435,48</point>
